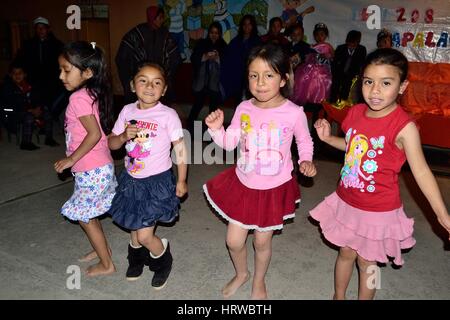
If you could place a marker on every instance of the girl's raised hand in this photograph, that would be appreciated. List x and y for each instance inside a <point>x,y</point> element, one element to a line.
<point>214,120</point>
<point>308,168</point>
<point>323,129</point>
<point>130,132</point>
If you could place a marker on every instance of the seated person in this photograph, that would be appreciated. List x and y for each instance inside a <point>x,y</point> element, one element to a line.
<point>299,48</point>
<point>17,95</point>
<point>274,35</point>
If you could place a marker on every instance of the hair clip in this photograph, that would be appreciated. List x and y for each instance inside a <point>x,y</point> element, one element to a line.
<point>320,25</point>
<point>93,44</point>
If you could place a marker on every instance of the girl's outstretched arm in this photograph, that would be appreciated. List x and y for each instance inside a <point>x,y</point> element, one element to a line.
<point>180,150</point>
<point>92,137</point>
<point>323,129</point>
<point>409,139</point>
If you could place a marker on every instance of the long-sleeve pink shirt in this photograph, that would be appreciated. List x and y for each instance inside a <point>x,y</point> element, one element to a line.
<point>265,138</point>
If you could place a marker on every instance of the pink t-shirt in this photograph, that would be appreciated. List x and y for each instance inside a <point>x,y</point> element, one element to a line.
<point>80,104</point>
<point>265,137</point>
<point>149,152</point>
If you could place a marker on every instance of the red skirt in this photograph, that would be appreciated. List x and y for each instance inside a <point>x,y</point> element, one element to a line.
<point>263,210</point>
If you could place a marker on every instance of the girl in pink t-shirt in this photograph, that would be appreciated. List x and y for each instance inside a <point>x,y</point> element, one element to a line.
<point>259,192</point>
<point>147,192</point>
<point>88,119</point>
<point>365,216</point>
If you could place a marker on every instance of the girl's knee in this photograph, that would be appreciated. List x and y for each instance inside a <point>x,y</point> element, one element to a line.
<point>364,264</point>
<point>261,244</point>
<point>347,253</point>
<point>145,238</point>
<point>235,244</point>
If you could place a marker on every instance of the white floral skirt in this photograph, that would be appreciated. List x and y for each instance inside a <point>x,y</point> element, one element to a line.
<point>93,193</point>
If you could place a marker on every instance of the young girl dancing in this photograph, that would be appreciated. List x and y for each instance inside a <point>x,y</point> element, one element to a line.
<point>260,192</point>
<point>365,216</point>
<point>89,117</point>
<point>147,192</point>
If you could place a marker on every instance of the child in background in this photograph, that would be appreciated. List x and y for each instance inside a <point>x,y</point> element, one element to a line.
<point>88,118</point>
<point>365,216</point>
<point>260,192</point>
<point>147,192</point>
<point>313,78</point>
<point>26,107</point>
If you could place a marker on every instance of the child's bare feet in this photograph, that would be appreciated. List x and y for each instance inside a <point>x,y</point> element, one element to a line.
<point>100,270</point>
<point>91,256</point>
<point>234,284</point>
<point>259,291</point>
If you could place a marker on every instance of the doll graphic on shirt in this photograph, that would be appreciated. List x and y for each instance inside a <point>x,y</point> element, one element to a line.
<point>137,149</point>
<point>351,172</point>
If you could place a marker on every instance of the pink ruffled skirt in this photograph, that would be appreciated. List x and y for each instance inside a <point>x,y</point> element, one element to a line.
<point>375,236</point>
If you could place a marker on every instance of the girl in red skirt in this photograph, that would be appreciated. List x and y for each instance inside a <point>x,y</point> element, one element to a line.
<point>259,193</point>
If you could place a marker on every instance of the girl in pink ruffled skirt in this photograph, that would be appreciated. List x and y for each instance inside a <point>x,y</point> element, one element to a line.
<point>365,216</point>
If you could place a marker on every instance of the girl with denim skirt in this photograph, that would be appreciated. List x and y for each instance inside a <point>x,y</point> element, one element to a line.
<point>148,192</point>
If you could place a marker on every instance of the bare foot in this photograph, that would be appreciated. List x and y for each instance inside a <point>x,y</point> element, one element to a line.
<point>235,283</point>
<point>259,292</point>
<point>91,256</point>
<point>100,270</point>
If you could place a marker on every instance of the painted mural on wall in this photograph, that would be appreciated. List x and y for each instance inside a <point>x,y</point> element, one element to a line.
<point>188,20</point>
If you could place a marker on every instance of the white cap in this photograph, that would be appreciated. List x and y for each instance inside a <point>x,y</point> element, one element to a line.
<point>41,20</point>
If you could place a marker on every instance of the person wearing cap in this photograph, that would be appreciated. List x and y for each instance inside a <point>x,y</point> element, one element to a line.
<point>39,55</point>
<point>151,42</point>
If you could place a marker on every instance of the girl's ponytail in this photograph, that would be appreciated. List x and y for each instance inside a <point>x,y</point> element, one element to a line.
<point>85,55</point>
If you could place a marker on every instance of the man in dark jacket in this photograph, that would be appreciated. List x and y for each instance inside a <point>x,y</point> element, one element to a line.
<point>152,42</point>
<point>348,59</point>
<point>39,56</point>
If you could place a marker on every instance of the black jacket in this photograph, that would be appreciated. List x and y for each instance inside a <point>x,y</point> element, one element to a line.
<point>145,44</point>
<point>40,60</point>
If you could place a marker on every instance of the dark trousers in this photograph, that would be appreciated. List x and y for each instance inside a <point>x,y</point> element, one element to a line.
<point>29,123</point>
<point>215,99</point>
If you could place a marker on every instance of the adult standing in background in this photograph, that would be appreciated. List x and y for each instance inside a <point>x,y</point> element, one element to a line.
<point>151,42</point>
<point>206,60</point>
<point>39,56</point>
<point>347,63</point>
<point>233,76</point>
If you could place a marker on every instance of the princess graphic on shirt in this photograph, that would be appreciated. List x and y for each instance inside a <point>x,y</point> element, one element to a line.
<point>351,170</point>
<point>260,149</point>
<point>246,128</point>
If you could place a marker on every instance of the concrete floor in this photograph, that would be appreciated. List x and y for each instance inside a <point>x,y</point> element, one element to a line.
<point>38,247</point>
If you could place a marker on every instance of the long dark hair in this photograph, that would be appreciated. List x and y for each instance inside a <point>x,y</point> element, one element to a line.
<point>252,20</point>
<point>85,55</point>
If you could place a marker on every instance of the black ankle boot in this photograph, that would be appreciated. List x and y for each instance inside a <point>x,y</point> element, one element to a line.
<point>162,267</point>
<point>137,258</point>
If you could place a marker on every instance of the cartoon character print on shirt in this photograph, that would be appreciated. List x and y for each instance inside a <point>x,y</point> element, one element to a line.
<point>260,147</point>
<point>139,147</point>
<point>357,173</point>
